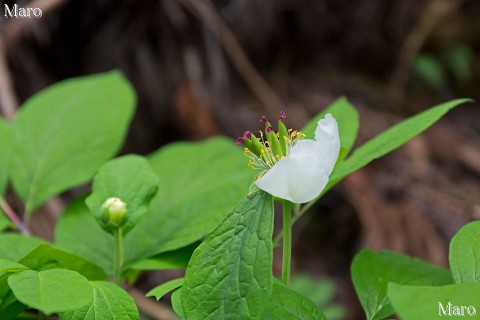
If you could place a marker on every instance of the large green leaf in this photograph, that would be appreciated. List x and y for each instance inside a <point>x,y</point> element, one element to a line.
<point>109,303</point>
<point>392,138</point>
<point>230,274</point>
<point>465,254</point>
<point>288,304</point>
<point>14,246</point>
<point>161,290</point>
<point>50,291</point>
<point>433,303</point>
<point>347,119</point>
<point>371,273</point>
<point>47,257</point>
<point>200,184</point>
<point>6,144</point>
<point>129,178</point>
<point>65,132</point>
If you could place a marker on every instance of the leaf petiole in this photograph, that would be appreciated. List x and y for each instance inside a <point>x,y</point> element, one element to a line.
<point>21,226</point>
<point>287,241</point>
<point>118,256</point>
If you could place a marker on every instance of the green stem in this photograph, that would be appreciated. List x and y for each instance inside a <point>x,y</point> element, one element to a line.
<point>117,256</point>
<point>300,212</point>
<point>287,241</point>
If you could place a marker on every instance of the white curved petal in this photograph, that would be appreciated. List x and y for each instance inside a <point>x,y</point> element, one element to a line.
<point>298,180</point>
<point>302,148</point>
<point>328,139</point>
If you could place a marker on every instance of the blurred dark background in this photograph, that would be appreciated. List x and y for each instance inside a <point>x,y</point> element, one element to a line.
<point>202,68</point>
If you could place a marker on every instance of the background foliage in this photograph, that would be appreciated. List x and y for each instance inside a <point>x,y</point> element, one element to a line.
<point>390,58</point>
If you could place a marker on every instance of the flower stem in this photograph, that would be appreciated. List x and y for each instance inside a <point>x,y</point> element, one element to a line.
<point>21,226</point>
<point>287,241</point>
<point>299,212</point>
<point>117,256</point>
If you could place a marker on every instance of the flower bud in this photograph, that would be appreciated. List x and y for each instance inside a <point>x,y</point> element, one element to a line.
<point>113,213</point>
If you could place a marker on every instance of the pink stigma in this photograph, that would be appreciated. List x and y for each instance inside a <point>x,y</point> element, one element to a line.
<point>239,140</point>
<point>247,135</point>
<point>269,129</point>
<point>263,119</point>
<point>282,115</point>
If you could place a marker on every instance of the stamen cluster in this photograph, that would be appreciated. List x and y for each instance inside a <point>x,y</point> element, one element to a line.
<point>264,152</point>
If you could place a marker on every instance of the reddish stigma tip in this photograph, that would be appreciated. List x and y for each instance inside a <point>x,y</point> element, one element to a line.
<point>239,140</point>
<point>247,135</point>
<point>263,119</point>
<point>283,115</point>
<point>269,129</point>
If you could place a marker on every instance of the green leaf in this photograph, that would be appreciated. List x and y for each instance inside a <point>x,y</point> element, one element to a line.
<point>430,70</point>
<point>70,231</point>
<point>465,254</point>
<point>392,138</point>
<point>6,143</point>
<point>109,303</point>
<point>47,257</point>
<point>232,268</point>
<point>347,119</point>
<point>288,304</point>
<point>50,291</point>
<point>371,273</point>
<point>321,292</point>
<point>177,303</point>
<point>164,288</point>
<point>65,132</point>
<point>201,182</point>
<point>193,197</point>
<point>129,178</point>
<point>175,259</point>
<point>14,246</point>
<point>432,303</point>
<point>7,266</point>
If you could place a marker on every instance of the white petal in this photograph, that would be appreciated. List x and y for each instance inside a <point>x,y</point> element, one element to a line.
<point>298,180</point>
<point>328,139</point>
<point>302,148</point>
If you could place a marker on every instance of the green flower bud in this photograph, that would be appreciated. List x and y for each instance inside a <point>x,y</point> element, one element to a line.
<point>113,213</point>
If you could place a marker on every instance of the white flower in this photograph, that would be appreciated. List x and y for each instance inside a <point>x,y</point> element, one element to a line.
<point>300,171</point>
